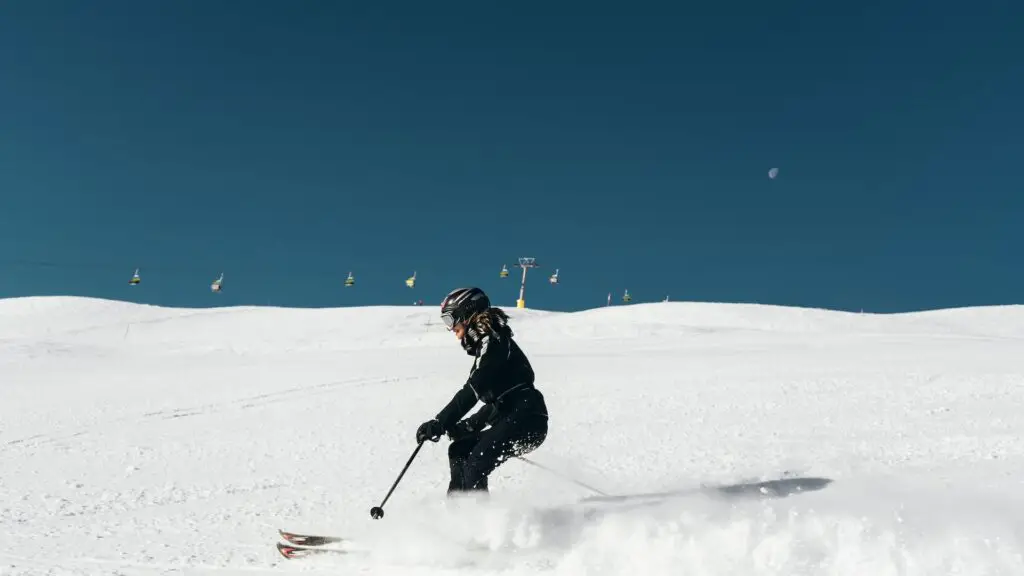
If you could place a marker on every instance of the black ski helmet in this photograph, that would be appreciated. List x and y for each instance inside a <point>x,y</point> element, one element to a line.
<point>460,304</point>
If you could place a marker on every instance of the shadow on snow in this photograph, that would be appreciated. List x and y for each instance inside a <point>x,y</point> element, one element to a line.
<point>562,526</point>
<point>756,490</point>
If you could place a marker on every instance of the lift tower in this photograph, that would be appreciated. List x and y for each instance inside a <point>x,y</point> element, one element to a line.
<point>524,263</point>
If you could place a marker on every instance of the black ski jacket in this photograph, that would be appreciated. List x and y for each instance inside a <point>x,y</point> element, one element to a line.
<point>501,377</point>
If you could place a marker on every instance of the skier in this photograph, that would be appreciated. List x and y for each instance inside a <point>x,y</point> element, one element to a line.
<point>513,420</point>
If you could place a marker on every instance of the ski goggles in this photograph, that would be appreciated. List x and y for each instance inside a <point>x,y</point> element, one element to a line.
<point>449,320</point>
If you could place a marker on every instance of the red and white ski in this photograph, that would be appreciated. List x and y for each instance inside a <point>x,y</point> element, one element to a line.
<point>303,545</point>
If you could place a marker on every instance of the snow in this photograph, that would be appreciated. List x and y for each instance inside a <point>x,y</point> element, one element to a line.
<point>139,440</point>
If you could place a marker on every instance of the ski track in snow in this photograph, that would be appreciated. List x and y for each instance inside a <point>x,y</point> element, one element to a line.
<point>138,440</point>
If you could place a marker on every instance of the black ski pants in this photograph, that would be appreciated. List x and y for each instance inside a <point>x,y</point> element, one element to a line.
<point>473,457</point>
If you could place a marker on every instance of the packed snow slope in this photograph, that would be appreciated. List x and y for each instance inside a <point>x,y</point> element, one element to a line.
<point>138,440</point>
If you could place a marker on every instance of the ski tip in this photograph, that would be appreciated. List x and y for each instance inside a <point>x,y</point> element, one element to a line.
<point>308,539</point>
<point>292,551</point>
<point>288,551</point>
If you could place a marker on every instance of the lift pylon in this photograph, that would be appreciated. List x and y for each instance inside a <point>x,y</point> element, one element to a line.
<point>525,264</point>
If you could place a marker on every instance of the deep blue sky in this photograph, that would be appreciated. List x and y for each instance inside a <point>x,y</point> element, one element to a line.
<point>627,144</point>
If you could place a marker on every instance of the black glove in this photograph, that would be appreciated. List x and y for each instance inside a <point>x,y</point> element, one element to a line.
<point>463,429</point>
<point>430,430</point>
<point>482,418</point>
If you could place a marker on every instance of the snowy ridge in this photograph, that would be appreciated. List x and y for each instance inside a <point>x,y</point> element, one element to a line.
<point>134,437</point>
<point>41,315</point>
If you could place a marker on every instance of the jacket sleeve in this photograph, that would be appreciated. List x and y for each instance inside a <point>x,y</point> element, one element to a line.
<point>457,407</point>
<point>494,353</point>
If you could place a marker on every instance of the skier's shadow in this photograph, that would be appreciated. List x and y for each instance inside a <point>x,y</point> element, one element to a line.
<point>753,490</point>
<point>563,525</point>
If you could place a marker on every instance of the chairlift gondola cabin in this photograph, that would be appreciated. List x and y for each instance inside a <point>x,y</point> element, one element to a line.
<point>135,278</point>
<point>411,281</point>
<point>350,281</point>
<point>554,278</point>
<point>626,297</point>
<point>504,271</point>
<point>215,287</point>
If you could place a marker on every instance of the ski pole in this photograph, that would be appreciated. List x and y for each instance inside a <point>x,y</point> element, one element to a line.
<point>377,512</point>
<point>563,476</point>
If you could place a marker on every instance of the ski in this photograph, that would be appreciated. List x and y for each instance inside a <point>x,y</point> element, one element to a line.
<point>292,552</point>
<point>302,545</point>
<point>309,539</point>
